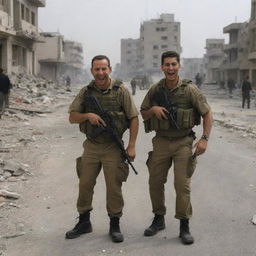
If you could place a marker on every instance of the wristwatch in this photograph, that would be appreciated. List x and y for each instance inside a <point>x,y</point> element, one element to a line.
<point>205,137</point>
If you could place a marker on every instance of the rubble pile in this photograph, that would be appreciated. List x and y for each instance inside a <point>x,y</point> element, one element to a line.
<point>33,91</point>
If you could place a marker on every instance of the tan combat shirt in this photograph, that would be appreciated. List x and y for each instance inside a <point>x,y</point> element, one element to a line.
<point>127,101</point>
<point>198,101</point>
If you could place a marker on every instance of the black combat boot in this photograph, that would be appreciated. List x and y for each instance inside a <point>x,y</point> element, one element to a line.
<point>83,226</point>
<point>114,230</point>
<point>185,236</point>
<point>158,223</point>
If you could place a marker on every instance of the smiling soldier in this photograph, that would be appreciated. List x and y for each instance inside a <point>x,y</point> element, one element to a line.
<point>100,151</point>
<point>171,108</point>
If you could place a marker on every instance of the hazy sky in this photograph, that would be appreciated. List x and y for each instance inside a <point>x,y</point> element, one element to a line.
<point>100,24</point>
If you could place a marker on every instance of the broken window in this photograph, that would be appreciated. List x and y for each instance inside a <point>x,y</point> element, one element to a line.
<point>164,37</point>
<point>27,15</point>
<point>155,47</point>
<point>33,18</point>
<point>15,55</point>
<point>24,57</point>
<point>22,12</point>
<point>164,46</point>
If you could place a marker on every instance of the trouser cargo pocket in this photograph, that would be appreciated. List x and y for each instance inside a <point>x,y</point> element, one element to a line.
<point>123,171</point>
<point>191,166</point>
<point>79,166</point>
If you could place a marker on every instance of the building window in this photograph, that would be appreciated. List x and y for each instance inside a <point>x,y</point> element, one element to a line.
<point>155,47</point>
<point>128,52</point>
<point>164,37</point>
<point>155,56</point>
<point>129,44</point>
<point>24,57</point>
<point>155,65</point>
<point>128,62</point>
<point>175,39</point>
<point>27,15</point>
<point>33,18</point>
<point>15,55</point>
<point>164,46</point>
<point>157,29</point>
<point>176,28</point>
<point>22,12</point>
<point>163,29</point>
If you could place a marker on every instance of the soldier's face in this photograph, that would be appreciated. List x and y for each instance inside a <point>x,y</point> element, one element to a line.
<point>101,71</point>
<point>171,68</point>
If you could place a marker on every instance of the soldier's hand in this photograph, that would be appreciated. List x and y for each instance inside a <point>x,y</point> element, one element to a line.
<point>95,119</point>
<point>200,146</point>
<point>160,112</point>
<point>131,152</point>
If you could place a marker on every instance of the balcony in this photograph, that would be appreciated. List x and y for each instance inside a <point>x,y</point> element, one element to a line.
<point>228,47</point>
<point>232,27</point>
<point>38,3</point>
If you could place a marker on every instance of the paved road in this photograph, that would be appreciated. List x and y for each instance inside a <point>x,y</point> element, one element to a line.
<point>223,197</point>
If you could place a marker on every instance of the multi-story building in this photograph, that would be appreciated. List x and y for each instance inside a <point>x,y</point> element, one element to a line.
<point>50,56</point>
<point>74,66</point>
<point>236,65</point>
<point>59,58</point>
<point>18,34</point>
<point>130,57</point>
<point>213,59</point>
<point>252,43</point>
<point>143,55</point>
<point>158,36</point>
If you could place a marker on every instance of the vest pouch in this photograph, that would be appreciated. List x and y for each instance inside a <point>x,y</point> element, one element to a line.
<point>164,124</point>
<point>147,126</point>
<point>186,118</point>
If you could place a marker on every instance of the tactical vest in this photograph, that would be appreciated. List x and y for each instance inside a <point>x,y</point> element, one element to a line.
<point>187,116</point>
<point>111,102</point>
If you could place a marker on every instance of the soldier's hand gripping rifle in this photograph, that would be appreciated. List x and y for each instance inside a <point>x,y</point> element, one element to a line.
<point>162,100</point>
<point>110,128</point>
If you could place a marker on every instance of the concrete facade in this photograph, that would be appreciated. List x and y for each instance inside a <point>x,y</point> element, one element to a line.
<point>143,55</point>
<point>18,34</point>
<point>213,59</point>
<point>50,56</point>
<point>58,58</point>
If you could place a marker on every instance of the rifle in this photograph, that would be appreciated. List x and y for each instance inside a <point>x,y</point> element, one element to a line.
<point>162,100</point>
<point>110,128</point>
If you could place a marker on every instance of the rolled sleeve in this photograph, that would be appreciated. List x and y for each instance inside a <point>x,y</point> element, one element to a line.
<point>199,100</point>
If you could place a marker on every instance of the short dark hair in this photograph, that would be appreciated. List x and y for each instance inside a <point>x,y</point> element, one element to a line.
<point>100,57</point>
<point>170,54</point>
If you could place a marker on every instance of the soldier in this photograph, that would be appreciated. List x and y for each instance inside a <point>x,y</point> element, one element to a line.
<point>5,86</point>
<point>173,141</point>
<point>101,151</point>
<point>133,85</point>
<point>246,89</point>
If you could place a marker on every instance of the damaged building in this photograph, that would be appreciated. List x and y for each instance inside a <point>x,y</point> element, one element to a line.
<point>59,58</point>
<point>143,55</point>
<point>213,59</point>
<point>19,34</point>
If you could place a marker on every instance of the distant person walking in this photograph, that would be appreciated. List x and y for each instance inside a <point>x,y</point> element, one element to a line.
<point>198,80</point>
<point>246,89</point>
<point>68,83</point>
<point>231,86</point>
<point>133,85</point>
<point>5,86</point>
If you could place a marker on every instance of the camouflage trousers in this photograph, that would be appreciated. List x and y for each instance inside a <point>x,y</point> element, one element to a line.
<point>165,152</point>
<point>97,156</point>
